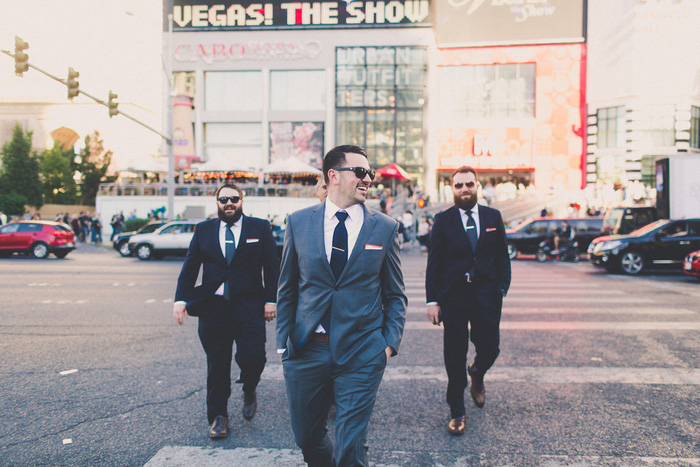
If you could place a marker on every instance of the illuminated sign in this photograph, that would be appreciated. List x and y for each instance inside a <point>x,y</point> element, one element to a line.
<point>460,23</point>
<point>191,15</point>
<point>236,51</point>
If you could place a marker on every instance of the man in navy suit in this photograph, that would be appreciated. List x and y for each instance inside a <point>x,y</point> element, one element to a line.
<point>236,252</point>
<point>342,308</point>
<point>467,276</point>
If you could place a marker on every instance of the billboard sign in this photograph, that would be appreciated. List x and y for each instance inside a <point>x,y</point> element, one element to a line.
<point>228,15</point>
<point>465,23</point>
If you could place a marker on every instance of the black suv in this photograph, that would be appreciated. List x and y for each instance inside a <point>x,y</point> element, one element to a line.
<point>526,237</point>
<point>622,220</point>
<point>663,243</point>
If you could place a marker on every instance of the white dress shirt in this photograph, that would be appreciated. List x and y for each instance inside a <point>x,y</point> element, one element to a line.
<point>475,216</point>
<point>236,230</point>
<point>353,224</point>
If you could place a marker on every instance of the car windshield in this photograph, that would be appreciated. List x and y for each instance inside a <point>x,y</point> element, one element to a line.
<point>612,218</point>
<point>148,228</point>
<point>648,228</point>
<point>62,228</point>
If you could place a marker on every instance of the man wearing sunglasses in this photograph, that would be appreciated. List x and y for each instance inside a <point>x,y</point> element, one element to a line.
<point>236,253</point>
<point>467,276</point>
<point>341,311</point>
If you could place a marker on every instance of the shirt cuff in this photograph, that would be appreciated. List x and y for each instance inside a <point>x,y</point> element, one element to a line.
<point>432,303</point>
<point>281,351</point>
<point>180,302</point>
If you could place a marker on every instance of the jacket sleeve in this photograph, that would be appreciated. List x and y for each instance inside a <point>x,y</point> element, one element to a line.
<point>393,295</point>
<point>502,258</point>
<point>288,288</point>
<point>271,264</point>
<point>190,270</point>
<point>436,258</point>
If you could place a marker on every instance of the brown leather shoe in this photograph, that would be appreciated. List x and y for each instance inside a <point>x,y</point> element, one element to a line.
<point>457,425</point>
<point>477,389</point>
<point>250,405</point>
<point>219,429</point>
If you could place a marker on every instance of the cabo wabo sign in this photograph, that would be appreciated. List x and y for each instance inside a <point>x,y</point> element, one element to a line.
<point>227,15</point>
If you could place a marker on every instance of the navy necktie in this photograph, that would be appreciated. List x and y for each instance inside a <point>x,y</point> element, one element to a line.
<point>339,256</point>
<point>471,230</point>
<point>339,250</point>
<point>230,250</point>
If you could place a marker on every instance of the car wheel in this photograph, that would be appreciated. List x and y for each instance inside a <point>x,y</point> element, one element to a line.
<point>512,251</point>
<point>123,248</point>
<point>40,250</point>
<point>61,254</point>
<point>631,263</point>
<point>541,255</point>
<point>144,252</point>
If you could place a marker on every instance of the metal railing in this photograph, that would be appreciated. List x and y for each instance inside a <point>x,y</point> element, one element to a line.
<point>203,189</point>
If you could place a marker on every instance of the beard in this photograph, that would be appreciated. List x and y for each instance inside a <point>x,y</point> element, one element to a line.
<point>230,218</point>
<point>466,204</point>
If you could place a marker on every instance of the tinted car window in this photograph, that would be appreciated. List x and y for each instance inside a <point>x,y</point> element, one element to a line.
<point>694,228</point>
<point>538,227</point>
<point>676,229</point>
<point>148,228</point>
<point>61,228</point>
<point>12,228</point>
<point>30,227</point>
<point>187,228</point>
<point>171,229</point>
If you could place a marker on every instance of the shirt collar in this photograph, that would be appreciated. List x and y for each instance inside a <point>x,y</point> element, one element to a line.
<point>474,210</point>
<point>222,224</point>
<point>353,211</point>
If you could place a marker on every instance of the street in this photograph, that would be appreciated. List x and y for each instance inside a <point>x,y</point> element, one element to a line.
<point>595,369</point>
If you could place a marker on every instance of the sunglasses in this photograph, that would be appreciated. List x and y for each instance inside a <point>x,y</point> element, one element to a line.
<point>360,172</point>
<point>459,185</point>
<point>226,199</point>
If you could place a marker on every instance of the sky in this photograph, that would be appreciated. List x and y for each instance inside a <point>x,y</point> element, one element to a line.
<point>114,45</point>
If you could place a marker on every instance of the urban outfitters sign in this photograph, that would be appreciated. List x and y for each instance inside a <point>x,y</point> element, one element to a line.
<point>245,15</point>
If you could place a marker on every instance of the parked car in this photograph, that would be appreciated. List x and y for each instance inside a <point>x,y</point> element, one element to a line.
<point>278,235</point>
<point>661,244</point>
<point>121,241</point>
<point>36,238</point>
<point>623,220</point>
<point>171,239</point>
<point>691,264</point>
<point>526,237</point>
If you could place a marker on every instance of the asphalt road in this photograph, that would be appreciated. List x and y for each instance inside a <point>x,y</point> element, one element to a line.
<point>595,369</point>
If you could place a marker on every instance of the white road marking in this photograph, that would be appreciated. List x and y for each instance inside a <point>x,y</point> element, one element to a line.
<point>68,372</point>
<point>416,309</point>
<point>172,456</point>
<point>579,326</point>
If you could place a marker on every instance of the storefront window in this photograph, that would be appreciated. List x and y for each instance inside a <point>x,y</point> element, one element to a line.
<point>487,91</point>
<point>694,127</point>
<point>239,91</point>
<point>298,90</point>
<point>380,95</point>
<point>233,146</point>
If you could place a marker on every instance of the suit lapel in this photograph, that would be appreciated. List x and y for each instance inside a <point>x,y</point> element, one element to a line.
<point>367,226</point>
<point>459,228</point>
<point>318,222</point>
<point>215,227</point>
<point>245,235</point>
<point>483,216</point>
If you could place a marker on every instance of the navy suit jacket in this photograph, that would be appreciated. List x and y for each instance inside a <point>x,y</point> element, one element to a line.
<point>450,257</point>
<point>255,258</point>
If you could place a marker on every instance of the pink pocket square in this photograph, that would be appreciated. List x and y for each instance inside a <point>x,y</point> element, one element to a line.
<point>491,229</point>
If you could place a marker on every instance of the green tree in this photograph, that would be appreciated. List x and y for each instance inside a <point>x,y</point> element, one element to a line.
<point>19,174</point>
<point>57,170</point>
<point>92,167</point>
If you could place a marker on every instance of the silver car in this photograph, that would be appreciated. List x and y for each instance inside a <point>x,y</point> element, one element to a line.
<point>171,239</point>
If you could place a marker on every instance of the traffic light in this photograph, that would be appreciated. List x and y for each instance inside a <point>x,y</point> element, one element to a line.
<point>113,105</point>
<point>72,83</point>
<point>21,58</point>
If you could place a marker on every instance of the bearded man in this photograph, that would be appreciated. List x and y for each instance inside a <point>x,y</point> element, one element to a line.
<point>236,253</point>
<point>467,277</point>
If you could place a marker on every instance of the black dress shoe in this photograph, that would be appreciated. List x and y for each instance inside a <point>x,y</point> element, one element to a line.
<point>477,389</point>
<point>219,429</point>
<point>250,405</point>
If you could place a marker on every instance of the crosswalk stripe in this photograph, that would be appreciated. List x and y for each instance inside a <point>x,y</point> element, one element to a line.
<point>421,309</point>
<point>537,375</point>
<point>172,456</point>
<point>577,326</point>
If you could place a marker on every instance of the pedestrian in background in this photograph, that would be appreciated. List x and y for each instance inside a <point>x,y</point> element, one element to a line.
<point>342,308</point>
<point>96,229</point>
<point>467,276</point>
<point>236,253</point>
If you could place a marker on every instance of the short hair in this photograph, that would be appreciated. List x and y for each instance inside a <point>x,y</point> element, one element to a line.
<point>463,170</point>
<point>336,156</point>
<point>228,185</point>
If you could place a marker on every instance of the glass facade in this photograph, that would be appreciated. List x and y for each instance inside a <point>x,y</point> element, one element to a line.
<point>695,127</point>
<point>297,90</point>
<point>380,96</point>
<point>487,91</point>
<point>233,146</point>
<point>611,127</point>
<point>239,91</point>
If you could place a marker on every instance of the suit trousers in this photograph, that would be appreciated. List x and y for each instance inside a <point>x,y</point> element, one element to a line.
<point>313,383</point>
<point>223,324</point>
<point>460,312</point>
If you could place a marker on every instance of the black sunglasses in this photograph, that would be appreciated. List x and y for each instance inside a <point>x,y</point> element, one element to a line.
<point>459,185</point>
<point>226,199</point>
<point>360,172</point>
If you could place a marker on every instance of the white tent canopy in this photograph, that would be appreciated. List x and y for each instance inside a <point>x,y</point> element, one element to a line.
<point>290,165</point>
